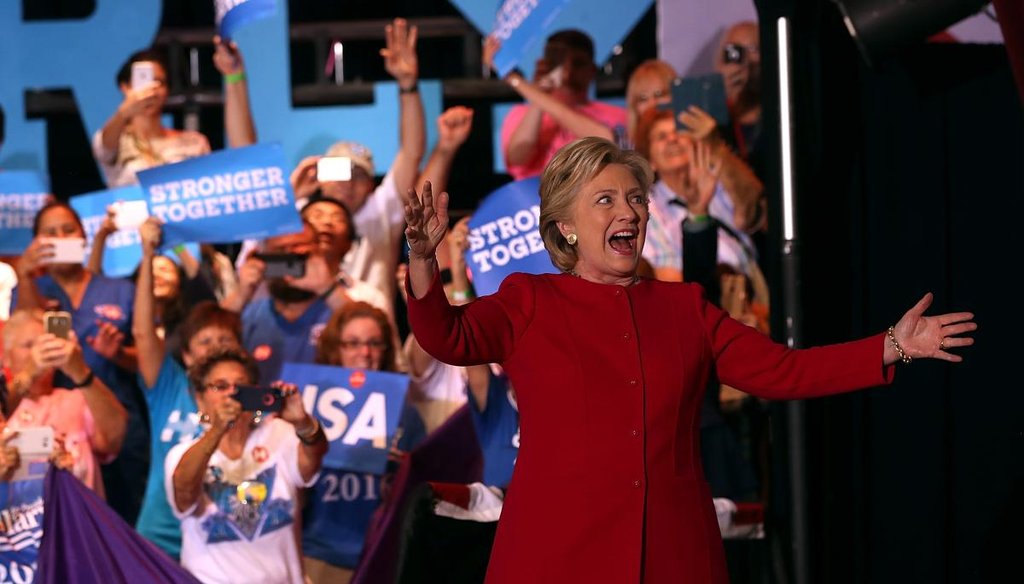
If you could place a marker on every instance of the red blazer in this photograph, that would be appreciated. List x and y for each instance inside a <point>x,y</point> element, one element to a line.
<point>608,485</point>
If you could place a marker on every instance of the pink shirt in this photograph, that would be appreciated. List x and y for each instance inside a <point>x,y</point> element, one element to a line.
<point>552,136</point>
<point>66,412</point>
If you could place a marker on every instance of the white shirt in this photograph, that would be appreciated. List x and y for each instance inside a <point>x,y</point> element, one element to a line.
<point>8,281</point>
<point>380,224</point>
<point>230,541</point>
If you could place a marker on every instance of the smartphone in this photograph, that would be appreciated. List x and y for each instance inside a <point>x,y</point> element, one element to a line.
<point>57,323</point>
<point>706,92</point>
<point>33,442</point>
<point>143,75</point>
<point>66,250</point>
<point>280,265</point>
<point>334,168</point>
<point>257,398</point>
<point>130,214</point>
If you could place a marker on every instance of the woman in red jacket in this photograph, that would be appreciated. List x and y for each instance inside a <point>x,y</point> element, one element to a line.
<point>611,370</point>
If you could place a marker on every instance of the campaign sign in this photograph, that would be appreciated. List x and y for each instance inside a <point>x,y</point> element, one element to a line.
<point>227,196</point>
<point>504,236</point>
<point>359,411</point>
<point>522,26</point>
<point>21,528</point>
<point>22,194</point>
<point>231,15</point>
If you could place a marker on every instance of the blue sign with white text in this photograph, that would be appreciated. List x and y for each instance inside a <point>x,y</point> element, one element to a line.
<point>227,196</point>
<point>504,236</point>
<point>522,26</point>
<point>21,527</point>
<point>231,15</point>
<point>22,194</point>
<point>359,411</point>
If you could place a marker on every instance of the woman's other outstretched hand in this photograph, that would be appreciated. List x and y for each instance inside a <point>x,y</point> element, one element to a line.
<point>929,337</point>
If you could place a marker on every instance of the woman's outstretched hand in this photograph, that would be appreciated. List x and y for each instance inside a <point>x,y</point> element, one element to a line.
<point>426,219</point>
<point>930,337</point>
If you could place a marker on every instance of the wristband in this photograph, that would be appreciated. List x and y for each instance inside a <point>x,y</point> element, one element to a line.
<point>699,218</point>
<point>179,249</point>
<point>235,77</point>
<point>85,382</point>
<point>310,437</point>
<point>414,89</point>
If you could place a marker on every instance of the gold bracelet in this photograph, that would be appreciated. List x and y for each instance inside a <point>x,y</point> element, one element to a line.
<point>892,339</point>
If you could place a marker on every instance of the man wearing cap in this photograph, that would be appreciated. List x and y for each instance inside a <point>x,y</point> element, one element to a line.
<point>377,212</point>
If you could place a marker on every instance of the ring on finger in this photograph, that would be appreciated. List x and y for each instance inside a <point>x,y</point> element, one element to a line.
<point>942,344</point>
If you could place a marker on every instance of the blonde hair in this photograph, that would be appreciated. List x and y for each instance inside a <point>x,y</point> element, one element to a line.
<point>18,319</point>
<point>649,68</point>
<point>576,164</point>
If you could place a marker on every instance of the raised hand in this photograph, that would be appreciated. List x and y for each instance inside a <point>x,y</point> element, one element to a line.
<point>138,100</point>
<point>426,221</point>
<point>107,343</point>
<point>34,259</point>
<point>226,57</point>
<point>453,127</point>
<point>293,412</point>
<point>150,234</point>
<point>399,54</point>
<point>303,178</point>
<point>491,47</point>
<point>704,171</point>
<point>931,336</point>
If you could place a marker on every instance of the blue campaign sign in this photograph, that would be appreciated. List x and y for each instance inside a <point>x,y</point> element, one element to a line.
<point>231,15</point>
<point>359,411</point>
<point>504,236</point>
<point>523,26</point>
<point>123,251</point>
<point>22,194</point>
<point>227,196</point>
<point>21,527</point>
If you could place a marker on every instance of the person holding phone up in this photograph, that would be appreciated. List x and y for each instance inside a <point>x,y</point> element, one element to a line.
<point>89,420</point>
<point>235,488</point>
<point>558,108</point>
<point>134,137</point>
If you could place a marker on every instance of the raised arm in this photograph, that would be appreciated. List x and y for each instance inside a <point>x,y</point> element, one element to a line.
<point>238,123</point>
<point>453,127</point>
<point>312,440</point>
<point>187,476</point>
<point>99,242</point>
<point>401,62</point>
<point>148,344</point>
<point>110,135</point>
<point>31,265</point>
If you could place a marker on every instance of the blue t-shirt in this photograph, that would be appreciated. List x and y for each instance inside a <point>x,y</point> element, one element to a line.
<point>341,503</point>
<point>272,340</point>
<point>497,429</point>
<point>174,417</point>
<point>112,301</point>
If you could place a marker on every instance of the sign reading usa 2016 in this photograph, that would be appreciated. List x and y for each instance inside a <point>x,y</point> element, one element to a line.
<point>359,411</point>
<point>504,236</point>
<point>231,195</point>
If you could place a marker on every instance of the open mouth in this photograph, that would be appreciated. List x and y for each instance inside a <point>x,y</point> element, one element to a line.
<point>623,242</point>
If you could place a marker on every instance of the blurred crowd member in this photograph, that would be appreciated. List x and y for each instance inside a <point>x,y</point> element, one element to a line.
<point>173,414</point>
<point>340,505</point>
<point>134,137</point>
<point>739,62</point>
<point>453,128</point>
<point>377,212</point>
<point>649,86</point>
<point>682,181</point>
<point>235,488</point>
<point>558,108</point>
<point>87,419</point>
<point>101,314</point>
<point>285,324</point>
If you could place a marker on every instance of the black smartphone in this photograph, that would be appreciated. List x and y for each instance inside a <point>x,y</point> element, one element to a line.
<point>258,398</point>
<point>280,265</point>
<point>706,92</point>
<point>58,323</point>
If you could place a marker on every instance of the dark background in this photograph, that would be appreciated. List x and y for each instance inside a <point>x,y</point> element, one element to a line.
<point>910,178</point>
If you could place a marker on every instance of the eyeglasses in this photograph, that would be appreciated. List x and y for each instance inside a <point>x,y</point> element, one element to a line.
<point>220,386</point>
<point>354,345</point>
<point>734,53</point>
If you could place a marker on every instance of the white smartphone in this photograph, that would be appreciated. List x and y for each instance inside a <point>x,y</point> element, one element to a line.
<point>33,442</point>
<point>66,250</point>
<point>130,214</point>
<point>334,168</point>
<point>143,74</point>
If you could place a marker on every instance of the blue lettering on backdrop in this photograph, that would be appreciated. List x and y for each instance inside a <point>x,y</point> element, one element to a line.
<point>242,193</point>
<point>81,54</point>
<point>359,411</point>
<point>48,54</point>
<point>504,236</point>
<point>22,194</point>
